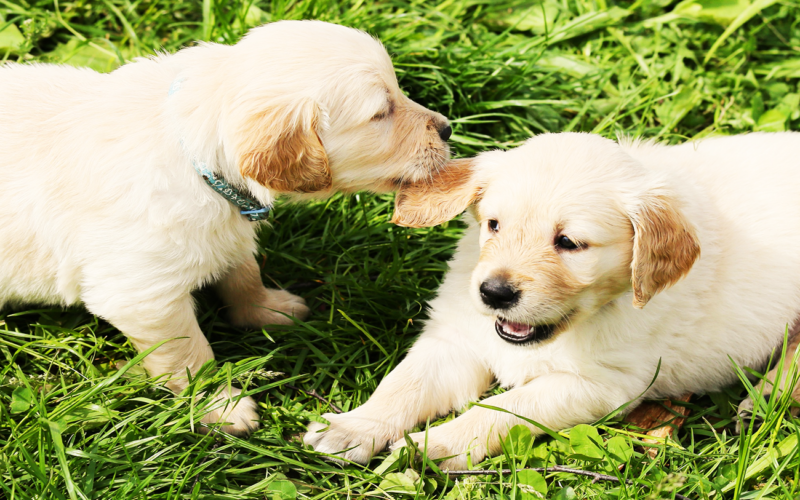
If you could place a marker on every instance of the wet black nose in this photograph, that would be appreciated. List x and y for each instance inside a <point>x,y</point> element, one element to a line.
<point>445,132</point>
<point>497,293</point>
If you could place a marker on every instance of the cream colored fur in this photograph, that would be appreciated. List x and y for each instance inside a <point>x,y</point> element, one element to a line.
<point>711,229</point>
<point>101,204</point>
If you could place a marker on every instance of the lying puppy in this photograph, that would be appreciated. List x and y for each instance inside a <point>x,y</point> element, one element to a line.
<point>586,262</point>
<point>127,191</point>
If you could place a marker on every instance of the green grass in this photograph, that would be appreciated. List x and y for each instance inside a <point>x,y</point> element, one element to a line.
<point>73,426</point>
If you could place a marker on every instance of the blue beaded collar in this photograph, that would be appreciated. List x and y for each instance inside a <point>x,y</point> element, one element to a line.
<point>250,208</point>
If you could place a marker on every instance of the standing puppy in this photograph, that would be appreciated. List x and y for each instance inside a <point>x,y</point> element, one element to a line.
<point>585,265</point>
<point>107,178</point>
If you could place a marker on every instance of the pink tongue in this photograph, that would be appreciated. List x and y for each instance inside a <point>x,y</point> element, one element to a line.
<point>520,329</point>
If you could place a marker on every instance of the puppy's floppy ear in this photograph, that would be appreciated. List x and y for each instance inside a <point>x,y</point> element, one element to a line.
<point>281,149</point>
<point>433,201</point>
<point>664,246</point>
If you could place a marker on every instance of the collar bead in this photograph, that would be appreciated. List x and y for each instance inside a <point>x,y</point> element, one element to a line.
<point>250,208</point>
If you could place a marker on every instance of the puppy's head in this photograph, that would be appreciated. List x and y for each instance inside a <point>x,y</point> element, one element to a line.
<point>568,223</point>
<point>315,107</point>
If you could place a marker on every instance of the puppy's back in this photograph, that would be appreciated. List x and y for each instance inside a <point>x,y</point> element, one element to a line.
<point>32,92</point>
<point>741,192</point>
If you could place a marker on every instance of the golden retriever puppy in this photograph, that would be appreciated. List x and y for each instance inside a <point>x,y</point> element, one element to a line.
<point>127,191</point>
<point>587,263</point>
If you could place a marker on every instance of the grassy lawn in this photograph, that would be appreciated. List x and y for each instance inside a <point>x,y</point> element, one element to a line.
<point>72,425</point>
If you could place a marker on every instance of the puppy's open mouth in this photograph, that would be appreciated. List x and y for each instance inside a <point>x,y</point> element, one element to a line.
<point>522,333</point>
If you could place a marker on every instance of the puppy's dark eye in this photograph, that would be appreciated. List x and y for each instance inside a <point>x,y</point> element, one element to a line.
<point>493,225</point>
<point>565,243</point>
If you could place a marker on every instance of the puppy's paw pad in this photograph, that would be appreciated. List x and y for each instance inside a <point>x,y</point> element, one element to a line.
<point>349,436</point>
<point>273,309</point>
<point>238,414</point>
<point>286,302</point>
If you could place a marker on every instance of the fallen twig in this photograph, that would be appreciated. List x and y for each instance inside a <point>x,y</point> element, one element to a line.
<point>314,394</point>
<point>596,476</point>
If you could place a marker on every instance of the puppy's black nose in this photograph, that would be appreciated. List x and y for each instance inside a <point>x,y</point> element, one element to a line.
<point>445,132</point>
<point>497,293</point>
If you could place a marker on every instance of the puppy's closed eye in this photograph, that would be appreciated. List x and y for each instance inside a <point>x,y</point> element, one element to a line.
<point>384,113</point>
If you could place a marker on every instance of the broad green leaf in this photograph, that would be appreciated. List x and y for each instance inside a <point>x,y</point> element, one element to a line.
<point>565,494</point>
<point>531,485</point>
<point>398,483</point>
<point>90,414</point>
<point>81,54</point>
<point>671,112</point>
<point>578,456</point>
<point>10,39</point>
<point>722,12</point>
<point>544,450</point>
<point>585,441</point>
<point>281,489</point>
<point>253,17</point>
<point>620,449</point>
<point>538,18</point>
<point>394,459</point>
<point>429,485</point>
<point>727,474</point>
<point>587,23</point>
<point>757,109</point>
<point>791,103</point>
<point>567,64</point>
<point>519,439</point>
<point>468,488</point>
<point>773,120</point>
<point>21,399</point>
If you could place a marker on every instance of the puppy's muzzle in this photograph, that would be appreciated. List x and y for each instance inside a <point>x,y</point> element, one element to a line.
<point>498,293</point>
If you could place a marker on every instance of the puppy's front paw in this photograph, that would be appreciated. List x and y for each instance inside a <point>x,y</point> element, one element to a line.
<point>446,442</point>
<point>267,310</point>
<point>238,414</point>
<point>350,435</point>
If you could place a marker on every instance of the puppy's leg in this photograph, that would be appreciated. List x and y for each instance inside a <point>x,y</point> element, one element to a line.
<point>437,375</point>
<point>252,305</point>
<point>556,401</point>
<point>767,386</point>
<point>149,320</point>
